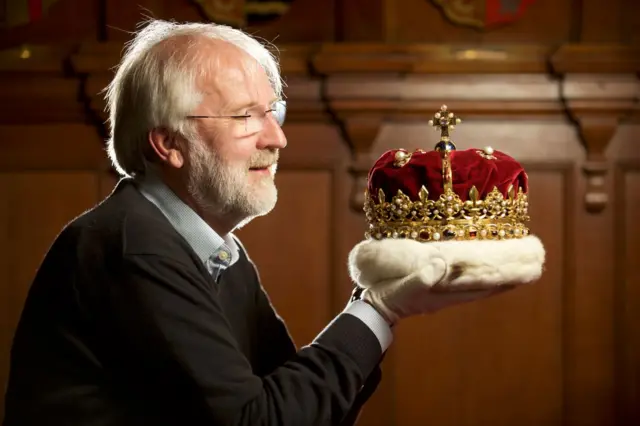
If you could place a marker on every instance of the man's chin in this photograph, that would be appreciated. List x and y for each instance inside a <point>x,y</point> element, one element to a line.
<point>258,210</point>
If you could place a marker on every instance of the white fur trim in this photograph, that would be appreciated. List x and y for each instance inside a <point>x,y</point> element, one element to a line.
<point>489,263</point>
<point>372,262</point>
<point>470,264</point>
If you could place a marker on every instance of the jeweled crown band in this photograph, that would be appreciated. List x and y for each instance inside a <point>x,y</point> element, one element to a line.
<point>448,217</point>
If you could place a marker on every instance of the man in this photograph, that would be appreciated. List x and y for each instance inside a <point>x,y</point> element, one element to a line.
<point>147,310</point>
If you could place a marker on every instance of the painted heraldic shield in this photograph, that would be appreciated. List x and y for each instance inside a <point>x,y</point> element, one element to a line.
<point>483,14</point>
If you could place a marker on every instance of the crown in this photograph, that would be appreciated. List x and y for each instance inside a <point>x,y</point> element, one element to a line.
<point>446,194</point>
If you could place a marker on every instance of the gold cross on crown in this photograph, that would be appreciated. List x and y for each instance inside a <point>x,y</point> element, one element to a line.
<point>444,120</point>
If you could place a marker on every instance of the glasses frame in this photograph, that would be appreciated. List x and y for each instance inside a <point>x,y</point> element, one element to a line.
<point>279,109</point>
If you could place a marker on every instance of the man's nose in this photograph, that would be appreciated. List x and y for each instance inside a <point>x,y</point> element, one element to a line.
<point>272,136</point>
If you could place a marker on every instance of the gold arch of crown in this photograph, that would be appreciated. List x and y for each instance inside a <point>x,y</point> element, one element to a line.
<point>493,217</point>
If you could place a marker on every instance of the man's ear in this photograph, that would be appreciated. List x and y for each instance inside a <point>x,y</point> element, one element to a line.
<point>166,147</point>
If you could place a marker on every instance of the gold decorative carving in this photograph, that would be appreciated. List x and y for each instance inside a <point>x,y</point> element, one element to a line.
<point>229,12</point>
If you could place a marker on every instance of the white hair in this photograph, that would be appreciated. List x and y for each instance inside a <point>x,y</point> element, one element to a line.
<point>155,87</point>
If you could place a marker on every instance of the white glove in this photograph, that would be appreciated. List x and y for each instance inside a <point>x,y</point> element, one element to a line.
<point>404,278</point>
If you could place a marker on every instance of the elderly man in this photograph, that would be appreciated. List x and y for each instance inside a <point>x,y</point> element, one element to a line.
<point>147,310</point>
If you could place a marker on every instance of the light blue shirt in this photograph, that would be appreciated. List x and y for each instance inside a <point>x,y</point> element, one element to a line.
<point>218,253</point>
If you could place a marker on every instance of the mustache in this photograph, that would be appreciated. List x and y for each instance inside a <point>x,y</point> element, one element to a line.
<point>264,159</point>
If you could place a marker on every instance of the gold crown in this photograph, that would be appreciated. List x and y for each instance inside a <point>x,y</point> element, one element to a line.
<point>447,216</point>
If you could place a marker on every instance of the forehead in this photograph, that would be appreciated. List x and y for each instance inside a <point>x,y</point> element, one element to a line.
<point>232,77</point>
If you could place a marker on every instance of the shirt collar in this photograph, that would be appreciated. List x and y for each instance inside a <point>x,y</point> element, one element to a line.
<point>200,236</point>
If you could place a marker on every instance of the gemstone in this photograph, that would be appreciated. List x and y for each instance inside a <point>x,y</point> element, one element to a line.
<point>445,146</point>
<point>473,233</point>
<point>448,234</point>
<point>424,235</point>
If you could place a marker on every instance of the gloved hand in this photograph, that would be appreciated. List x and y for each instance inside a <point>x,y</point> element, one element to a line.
<point>403,278</point>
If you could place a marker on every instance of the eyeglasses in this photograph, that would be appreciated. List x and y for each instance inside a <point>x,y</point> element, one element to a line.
<point>253,121</point>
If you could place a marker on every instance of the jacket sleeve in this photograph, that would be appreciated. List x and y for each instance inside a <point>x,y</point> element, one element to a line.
<point>171,322</point>
<point>280,348</point>
<point>370,386</point>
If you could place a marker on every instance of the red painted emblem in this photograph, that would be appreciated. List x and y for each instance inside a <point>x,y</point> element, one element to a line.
<point>15,13</point>
<point>483,14</point>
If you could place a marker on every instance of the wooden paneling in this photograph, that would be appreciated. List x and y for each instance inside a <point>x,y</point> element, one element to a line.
<point>625,156</point>
<point>627,287</point>
<point>602,21</point>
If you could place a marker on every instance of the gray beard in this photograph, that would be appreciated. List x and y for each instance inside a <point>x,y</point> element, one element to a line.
<point>224,192</point>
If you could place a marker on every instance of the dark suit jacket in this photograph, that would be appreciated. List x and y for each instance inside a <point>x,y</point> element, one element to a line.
<point>123,325</point>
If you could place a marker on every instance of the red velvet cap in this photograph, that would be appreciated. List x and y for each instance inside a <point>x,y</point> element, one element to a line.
<point>485,169</point>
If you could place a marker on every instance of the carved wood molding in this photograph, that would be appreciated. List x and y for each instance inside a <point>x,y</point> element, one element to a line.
<point>600,89</point>
<point>360,131</point>
<point>597,110</point>
<point>429,59</point>
<point>596,59</point>
<point>596,131</point>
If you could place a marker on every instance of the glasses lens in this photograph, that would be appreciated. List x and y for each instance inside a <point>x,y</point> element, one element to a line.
<point>280,112</point>
<point>251,125</point>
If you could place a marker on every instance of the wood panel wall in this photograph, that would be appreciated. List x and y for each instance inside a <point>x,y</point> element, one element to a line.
<point>558,90</point>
